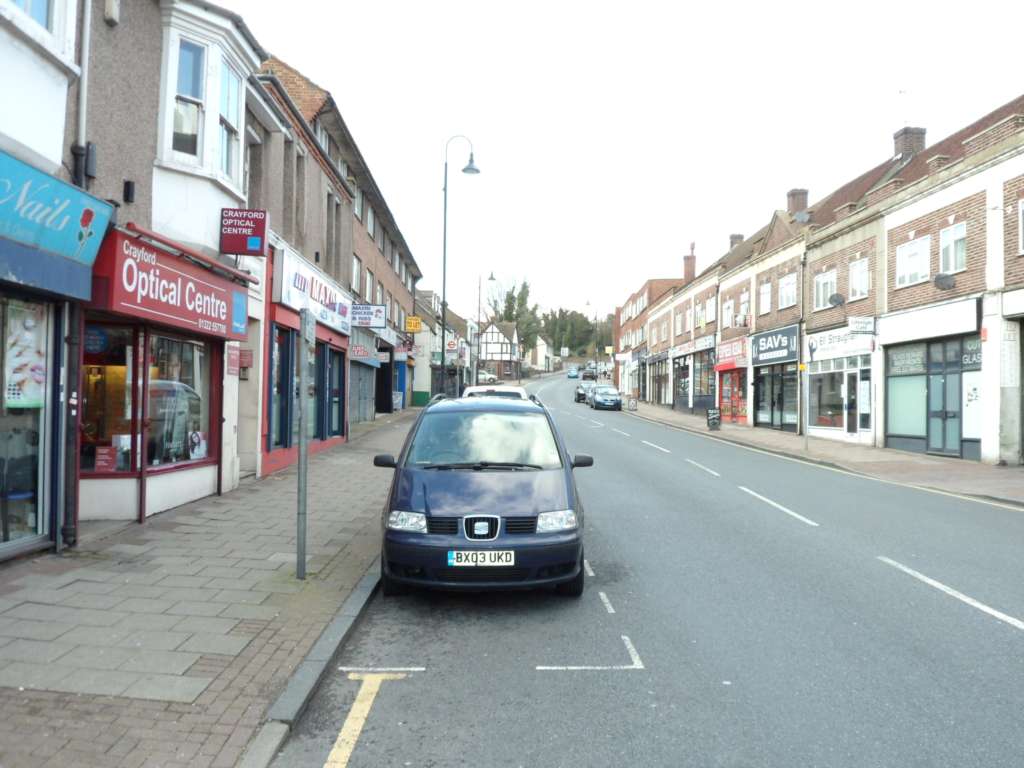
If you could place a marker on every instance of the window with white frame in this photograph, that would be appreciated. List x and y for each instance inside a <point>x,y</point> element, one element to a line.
<point>824,287</point>
<point>744,304</point>
<point>679,324</point>
<point>953,248</point>
<point>698,308</point>
<point>711,309</point>
<point>787,290</point>
<point>357,204</point>
<point>727,313</point>
<point>912,262</point>
<point>371,222</point>
<point>356,269</point>
<point>230,119</point>
<point>38,10</point>
<point>688,322</point>
<point>654,336</point>
<point>188,101</point>
<point>764,298</point>
<point>380,292</point>
<point>860,279</point>
<point>664,329</point>
<point>320,131</point>
<point>369,287</point>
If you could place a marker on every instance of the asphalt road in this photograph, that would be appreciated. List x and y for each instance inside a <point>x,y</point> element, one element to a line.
<point>746,610</point>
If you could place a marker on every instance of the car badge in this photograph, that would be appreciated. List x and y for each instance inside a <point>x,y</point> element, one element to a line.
<point>480,528</point>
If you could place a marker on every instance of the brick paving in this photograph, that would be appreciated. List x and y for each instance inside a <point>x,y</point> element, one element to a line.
<point>165,643</point>
<point>942,473</point>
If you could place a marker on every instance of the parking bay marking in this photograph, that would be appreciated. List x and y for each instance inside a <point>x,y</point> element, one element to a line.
<point>634,658</point>
<point>1013,622</point>
<point>341,752</point>
<point>706,469</point>
<point>586,567</point>
<point>663,450</point>
<point>790,512</point>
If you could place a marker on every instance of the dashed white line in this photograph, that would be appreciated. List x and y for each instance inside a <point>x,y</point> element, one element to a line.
<point>1013,622</point>
<point>663,450</point>
<point>624,434</point>
<point>382,669</point>
<point>598,423</point>
<point>587,569</point>
<point>606,601</point>
<point>706,469</point>
<point>633,656</point>
<point>779,507</point>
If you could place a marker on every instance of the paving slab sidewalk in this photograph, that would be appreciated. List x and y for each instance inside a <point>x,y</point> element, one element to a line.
<point>951,475</point>
<point>165,643</point>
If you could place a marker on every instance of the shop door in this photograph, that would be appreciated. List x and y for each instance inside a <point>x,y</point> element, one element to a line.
<point>851,402</point>
<point>777,398</point>
<point>944,398</point>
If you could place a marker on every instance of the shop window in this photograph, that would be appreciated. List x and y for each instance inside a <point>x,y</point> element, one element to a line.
<point>280,385</point>
<point>108,378</point>
<point>953,249</point>
<point>787,290</point>
<point>704,373</point>
<point>26,369</point>
<point>336,393</point>
<point>178,405</point>
<point>912,262</point>
<point>826,400</point>
<point>864,395</point>
<point>230,119</point>
<point>824,287</point>
<point>188,104</point>
<point>906,389</point>
<point>764,299</point>
<point>860,279</point>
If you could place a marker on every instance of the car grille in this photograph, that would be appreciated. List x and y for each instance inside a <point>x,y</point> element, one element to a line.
<point>520,525</point>
<point>470,525</point>
<point>446,525</point>
<point>482,574</point>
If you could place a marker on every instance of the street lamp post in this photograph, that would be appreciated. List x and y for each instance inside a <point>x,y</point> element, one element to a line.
<point>470,169</point>
<point>479,321</point>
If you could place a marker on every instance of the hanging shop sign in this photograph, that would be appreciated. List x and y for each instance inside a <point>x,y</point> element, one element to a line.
<point>300,285</point>
<point>413,324</point>
<point>777,346</point>
<point>50,231</point>
<point>837,343</point>
<point>243,231</point>
<point>860,325</point>
<point>369,315</point>
<point>136,278</point>
<point>387,335</point>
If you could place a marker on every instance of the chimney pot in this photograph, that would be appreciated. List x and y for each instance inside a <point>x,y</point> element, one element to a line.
<point>735,240</point>
<point>689,266</point>
<point>908,141</point>
<point>796,201</point>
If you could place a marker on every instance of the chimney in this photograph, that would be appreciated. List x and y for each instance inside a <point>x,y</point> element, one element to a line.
<point>908,141</point>
<point>735,240</point>
<point>689,265</point>
<point>796,201</point>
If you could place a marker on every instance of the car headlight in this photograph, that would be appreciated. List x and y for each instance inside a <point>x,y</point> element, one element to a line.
<point>412,522</point>
<point>563,520</point>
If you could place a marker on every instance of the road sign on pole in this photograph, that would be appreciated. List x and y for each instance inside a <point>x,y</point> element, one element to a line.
<point>307,321</point>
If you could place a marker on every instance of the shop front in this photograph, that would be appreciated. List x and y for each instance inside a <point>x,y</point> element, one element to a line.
<point>659,367</point>
<point>362,394</point>
<point>387,374</point>
<point>774,355</point>
<point>299,285</point>
<point>731,367</point>
<point>153,372</point>
<point>680,356</point>
<point>839,396</point>
<point>49,237</point>
<point>638,373</point>
<point>703,376</point>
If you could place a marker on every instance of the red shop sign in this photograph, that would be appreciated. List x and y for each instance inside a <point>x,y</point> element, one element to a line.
<point>732,354</point>
<point>243,231</point>
<point>134,277</point>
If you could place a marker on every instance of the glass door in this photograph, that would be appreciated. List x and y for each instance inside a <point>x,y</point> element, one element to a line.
<point>851,402</point>
<point>777,398</point>
<point>944,398</point>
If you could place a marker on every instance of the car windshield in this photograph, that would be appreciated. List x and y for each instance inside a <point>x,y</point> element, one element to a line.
<point>473,437</point>
<point>606,390</point>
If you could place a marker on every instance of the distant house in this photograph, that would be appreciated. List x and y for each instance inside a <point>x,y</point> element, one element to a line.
<point>499,349</point>
<point>539,357</point>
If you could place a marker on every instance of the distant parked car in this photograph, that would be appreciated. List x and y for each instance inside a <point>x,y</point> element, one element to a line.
<point>581,391</point>
<point>496,390</point>
<point>573,373</point>
<point>590,373</point>
<point>486,377</point>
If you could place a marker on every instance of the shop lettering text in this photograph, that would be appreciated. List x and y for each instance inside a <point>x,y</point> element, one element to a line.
<point>320,292</point>
<point>48,214</point>
<point>148,282</point>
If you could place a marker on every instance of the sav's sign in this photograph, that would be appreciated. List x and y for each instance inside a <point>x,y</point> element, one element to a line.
<point>300,285</point>
<point>778,346</point>
<point>135,278</point>
<point>50,231</point>
<point>243,232</point>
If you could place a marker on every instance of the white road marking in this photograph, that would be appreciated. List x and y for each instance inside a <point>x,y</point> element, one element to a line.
<point>1013,622</point>
<point>382,669</point>
<point>663,450</point>
<point>598,423</point>
<point>606,601</point>
<point>633,656</point>
<point>587,569</point>
<point>624,434</point>
<point>706,469</point>
<point>779,507</point>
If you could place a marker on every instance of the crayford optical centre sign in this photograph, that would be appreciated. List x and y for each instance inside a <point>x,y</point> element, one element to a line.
<point>136,278</point>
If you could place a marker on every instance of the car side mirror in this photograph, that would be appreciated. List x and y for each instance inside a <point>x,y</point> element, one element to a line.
<point>582,460</point>
<point>385,460</point>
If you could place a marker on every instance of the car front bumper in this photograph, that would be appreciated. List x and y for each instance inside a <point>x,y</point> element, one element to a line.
<point>611,406</point>
<point>540,560</point>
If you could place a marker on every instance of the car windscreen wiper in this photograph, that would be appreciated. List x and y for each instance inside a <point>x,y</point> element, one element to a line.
<point>480,465</point>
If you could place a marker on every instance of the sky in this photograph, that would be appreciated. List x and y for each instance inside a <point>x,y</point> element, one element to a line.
<point>611,135</point>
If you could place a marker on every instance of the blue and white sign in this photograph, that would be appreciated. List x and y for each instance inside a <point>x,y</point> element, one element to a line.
<point>50,231</point>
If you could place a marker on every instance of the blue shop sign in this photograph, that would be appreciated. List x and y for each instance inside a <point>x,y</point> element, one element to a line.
<point>50,231</point>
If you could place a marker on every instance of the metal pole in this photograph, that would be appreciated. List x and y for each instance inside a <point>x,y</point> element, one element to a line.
<point>476,360</point>
<point>306,320</point>
<point>805,391</point>
<point>444,280</point>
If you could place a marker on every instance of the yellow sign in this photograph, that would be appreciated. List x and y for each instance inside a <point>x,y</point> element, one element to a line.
<point>803,367</point>
<point>413,324</point>
<point>609,350</point>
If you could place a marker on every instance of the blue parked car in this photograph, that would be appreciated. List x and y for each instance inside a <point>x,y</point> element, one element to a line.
<point>605,396</point>
<point>574,373</point>
<point>483,497</point>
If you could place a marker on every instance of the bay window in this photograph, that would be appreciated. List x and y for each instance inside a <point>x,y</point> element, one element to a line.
<point>188,103</point>
<point>230,119</point>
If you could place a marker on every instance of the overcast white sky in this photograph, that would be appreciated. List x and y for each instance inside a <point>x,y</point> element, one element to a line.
<point>612,134</point>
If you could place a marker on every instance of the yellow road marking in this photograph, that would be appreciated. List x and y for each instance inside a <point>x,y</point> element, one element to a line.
<point>353,726</point>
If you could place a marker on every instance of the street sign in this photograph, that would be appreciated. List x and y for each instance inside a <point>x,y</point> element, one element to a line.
<point>413,324</point>
<point>860,324</point>
<point>565,351</point>
<point>609,349</point>
<point>243,232</point>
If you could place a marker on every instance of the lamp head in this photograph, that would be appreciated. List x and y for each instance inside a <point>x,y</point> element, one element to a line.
<point>492,278</point>
<point>471,166</point>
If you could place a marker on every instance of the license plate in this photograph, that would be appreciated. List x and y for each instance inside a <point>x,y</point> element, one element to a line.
<point>481,557</point>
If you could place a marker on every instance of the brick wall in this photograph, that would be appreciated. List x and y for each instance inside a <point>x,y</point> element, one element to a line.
<point>993,135</point>
<point>840,262</point>
<point>775,318</point>
<point>1013,193</point>
<point>971,210</point>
